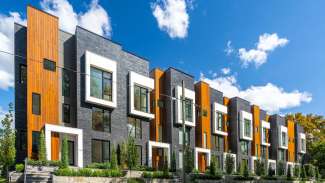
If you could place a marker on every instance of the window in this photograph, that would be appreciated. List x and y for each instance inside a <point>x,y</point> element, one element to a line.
<point>188,109</point>
<point>100,151</point>
<point>264,152</point>
<point>180,160</point>
<point>281,154</point>
<point>219,121</point>
<point>244,147</point>
<point>247,129</point>
<point>283,138</point>
<point>205,143</point>
<point>303,145</point>
<point>66,113</point>
<point>139,151</point>
<point>49,65</point>
<point>101,120</point>
<point>187,136</point>
<point>256,148</point>
<point>35,143</point>
<point>100,84</point>
<point>65,83</point>
<point>264,135</point>
<point>134,128</point>
<point>218,142</point>
<point>23,74</point>
<point>160,131</point>
<point>140,98</point>
<point>36,103</point>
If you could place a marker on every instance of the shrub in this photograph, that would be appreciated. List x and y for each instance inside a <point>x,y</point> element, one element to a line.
<point>213,166</point>
<point>296,171</point>
<point>113,159</point>
<point>173,162</point>
<point>289,176</point>
<point>229,165</point>
<point>135,180</point>
<point>303,172</point>
<point>244,169</point>
<point>271,171</point>
<point>189,160</point>
<point>157,175</point>
<point>19,167</point>
<point>310,170</point>
<point>281,168</point>
<point>43,163</point>
<point>105,165</point>
<point>317,174</point>
<point>64,153</point>
<point>206,176</point>
<point>87,172</point>
<point>41,148</point>
<point>165,168</point>
<point>260,167</point>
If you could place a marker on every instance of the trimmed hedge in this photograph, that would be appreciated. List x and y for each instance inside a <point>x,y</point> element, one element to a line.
<point>87,172</point>
<point>105,165</point>
<point>19,167</point>
<point>205,176</point>
<point>157,175</point>
<point>43,163</point>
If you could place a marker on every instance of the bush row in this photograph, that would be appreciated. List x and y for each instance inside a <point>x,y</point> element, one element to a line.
<point>87,172</point>
<point>43,163</point>
<point>157,175</point>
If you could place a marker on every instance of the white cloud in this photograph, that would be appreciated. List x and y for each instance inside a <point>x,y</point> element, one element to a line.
<point>172,17</point>
<point>95,19</point>
<point>266,44</point>
<point>7,45</point>
<point>225,70</point>
<point>229,49</point>
<point>269,97</point>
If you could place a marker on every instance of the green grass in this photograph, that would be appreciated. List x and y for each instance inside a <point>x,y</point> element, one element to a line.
<point>3,180</point>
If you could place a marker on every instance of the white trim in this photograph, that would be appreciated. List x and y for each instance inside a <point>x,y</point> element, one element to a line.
<point>253,158</point>
<point>285,130</point>
<point>246,115</point>
<point>222,109</point>
<point>300,137</point>
<point>269,161</point>
<point>267,126</point>
<point>190,95</point>
<point>143,81</point>
<point>201,150</point>
<point>152,144</point>
<point>235,160</point>
<point>49,128</point>
<point>104,64</point>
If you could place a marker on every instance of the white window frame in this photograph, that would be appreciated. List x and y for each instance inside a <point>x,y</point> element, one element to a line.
<point>196,155</point>
<point>222,109</point>
<point>145,82</point>
<point>284,130</point>
<point>248,116</point>
<point>104,64</point>
<point>190,95</point>
<point>152,144</point>
<point>301,136</point>
<point>265,125</point>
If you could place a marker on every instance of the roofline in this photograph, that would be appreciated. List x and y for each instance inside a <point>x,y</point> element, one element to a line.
<point>31,6</point>
<point>115,42</point>
<point>181,71</point>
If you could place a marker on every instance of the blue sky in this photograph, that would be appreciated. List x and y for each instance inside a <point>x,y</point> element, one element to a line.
<point>285,76</point>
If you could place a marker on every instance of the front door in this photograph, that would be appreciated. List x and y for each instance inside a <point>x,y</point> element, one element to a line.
<point>71,152</point>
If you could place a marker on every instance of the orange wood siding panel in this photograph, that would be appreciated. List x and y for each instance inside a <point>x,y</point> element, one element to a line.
<point>203,123</point>
<point>42,42</point>
<point>55,143</point>
<point>291,142</point>
<point>256,131</point>
<point>157,75</point>
<point>226,102</point>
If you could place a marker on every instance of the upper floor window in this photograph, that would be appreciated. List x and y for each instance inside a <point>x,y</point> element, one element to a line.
<point>140,98</point>
<point>205,143</point>
<point>283,138</point>
<point>247,129</point>
<point>218,142</point>
<point>65,83</point>
<point>36,103</point>
<point>49,65</point>
<point>219,121</point>
<point>100,84</point>
<point>134,127</point>
<point>303,145</point>
<point>264,136</point>
<point>101,120</point>
<point>187,136</point>
<point>66,113</point>
<point>281,154</point>
<point>23,74</point>
<point>244,147</point>
<point>188,109</point>
<point>264,152</point>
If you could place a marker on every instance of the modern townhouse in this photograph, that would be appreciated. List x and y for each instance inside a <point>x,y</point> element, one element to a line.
<point>89,89</point>
<point>80,85</point>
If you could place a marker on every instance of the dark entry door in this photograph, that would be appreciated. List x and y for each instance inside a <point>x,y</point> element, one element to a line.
<point>71,152</point>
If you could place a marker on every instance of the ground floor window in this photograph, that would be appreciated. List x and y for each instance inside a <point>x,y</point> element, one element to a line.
<point>100,151</point>
<point>35,144</point>
<point>244,147</point>
<point>180,160</point>
<point>139,151</point>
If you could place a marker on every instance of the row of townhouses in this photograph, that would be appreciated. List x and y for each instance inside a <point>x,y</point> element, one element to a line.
<point>90,89</point>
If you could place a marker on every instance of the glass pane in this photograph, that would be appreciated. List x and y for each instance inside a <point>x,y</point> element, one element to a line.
<point>97,119</point>
<point>188,109</point>
<point>105,151</point>
<point>107,121</point>
<point>66,113</point>
<point>107,86</point>
<point>138,129</point>
<point>180,137</point>
<point>96,83</point>
<point>65,83</point>
<point>137,98</point>
<point>71,152</point>
<point>131,127</point>
<point>36,103</point>
<point>96,151</point>
<point>144,101</point>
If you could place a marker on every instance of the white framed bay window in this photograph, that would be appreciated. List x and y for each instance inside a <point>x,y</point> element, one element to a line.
<point>218,125</point>
<point>246,125</point>
<point>189,105</point>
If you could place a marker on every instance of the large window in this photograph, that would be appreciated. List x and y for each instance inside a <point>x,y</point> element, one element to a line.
<point>100,84</point>
<point>100,151</point>
<point>284,139</point>
<point>188,105</point>
<point>36,103</point>
<point>218,142</point>
<point>65,83</point>
<point>23,74</point>
<point>264,152</point>
<point>264,136</point>
<point>247,129</point>
<point>281,154</point>
<point>303,145</point>
<point>140,98</point>
<point>187,136</point>
<point>101,120</point>
<point>49,65</point>
<point>244,147</point>
<point>66,113</point>
<point>219,121</point>
<point>134,128</point>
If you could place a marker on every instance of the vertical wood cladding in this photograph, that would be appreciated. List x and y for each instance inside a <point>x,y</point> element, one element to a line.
<point>291,141</point>
<point>226,102</point>
<point>256,131</point>
<point>42,43</point>
<point>203,124</point>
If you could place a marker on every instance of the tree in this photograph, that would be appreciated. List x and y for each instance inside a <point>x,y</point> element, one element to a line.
<point>260,167</point>
<point>303,172</point>
<point>113,159</point>
<point>296,171</point>
<point>64,153</point>
<point>289,176</point>
<point>280,168</point>
<point>189,160</point>
<point>123,155</point>
<point>7,142</point>
<point>41,148</point>
<point>213,166</point>
<point>165,169</point>
<point>317,153</point>
<point>132,153</point>
<point>229,164</point>
<point>173,162</point>
<point>244,169</point>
